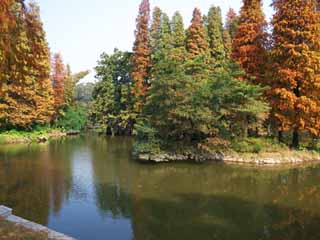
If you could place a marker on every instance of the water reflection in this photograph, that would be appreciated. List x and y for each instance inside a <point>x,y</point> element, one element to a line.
<point>89,188</point>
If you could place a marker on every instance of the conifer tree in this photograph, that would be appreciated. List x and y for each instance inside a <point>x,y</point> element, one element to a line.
<point>215,32</point>
<point>40,64</point>
<point>163,45</point>
<point>7,23</point>
<point>232,22</point>
<point>155,28</point>
<point>58,77</point>
<point>20,83</point>
<point>165,35</point>
<point>227,43</point>
<point>250,40</point>
<point>141,54</point>
<point>296,56</point>
<point>178,52</point>
<point>197,44</point>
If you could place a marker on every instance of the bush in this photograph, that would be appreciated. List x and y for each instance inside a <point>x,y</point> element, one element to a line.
<point>146,140</point>
<point>74,118</point>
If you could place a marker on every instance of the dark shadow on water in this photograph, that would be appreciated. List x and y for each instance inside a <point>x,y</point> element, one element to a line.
<point>221,217</point>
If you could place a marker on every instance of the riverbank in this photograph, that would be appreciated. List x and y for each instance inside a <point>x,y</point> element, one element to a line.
<point>20,137</point>
<point>15,228</point>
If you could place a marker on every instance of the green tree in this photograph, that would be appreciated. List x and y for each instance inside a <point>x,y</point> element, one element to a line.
<point>112,96</point>
<point>178,52</point>
<point>215,32</point>
<point>83,92</point>
<point>183,112</point>
<point>227,43</point>
<point>155,28</point>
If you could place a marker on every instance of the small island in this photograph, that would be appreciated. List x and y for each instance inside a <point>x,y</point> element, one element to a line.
<point>210,92</point>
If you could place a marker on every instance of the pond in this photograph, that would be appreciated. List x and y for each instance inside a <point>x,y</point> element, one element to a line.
<point>89,187</point>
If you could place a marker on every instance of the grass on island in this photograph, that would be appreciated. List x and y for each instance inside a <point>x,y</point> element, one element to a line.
<point>271,148</point>
<point>12,231</point>
<point>15,136</point>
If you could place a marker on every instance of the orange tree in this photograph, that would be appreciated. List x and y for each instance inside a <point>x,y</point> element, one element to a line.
<point>141,60</point>
<point>295,86</point>
<point>250,40</point>
<point>58,77</point>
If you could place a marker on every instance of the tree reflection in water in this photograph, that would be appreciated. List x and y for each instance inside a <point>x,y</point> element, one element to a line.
<point>170,201</point>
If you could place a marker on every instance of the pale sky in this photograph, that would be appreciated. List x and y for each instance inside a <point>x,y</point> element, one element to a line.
<point>81,30</point>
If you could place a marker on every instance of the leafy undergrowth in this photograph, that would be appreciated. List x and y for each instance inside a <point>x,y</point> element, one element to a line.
<point>11,231</point>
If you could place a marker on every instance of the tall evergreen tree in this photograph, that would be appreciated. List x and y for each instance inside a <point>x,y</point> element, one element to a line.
<point>227,41</point>
<point>296,55</point>
<point>197,44</point>
<point>215,32</point>
<point>178,52</point>
<point>155,28</point>
<point>165,35</point>
<point>249,43</point>
<point>141,54</point>
<point>163,45</point>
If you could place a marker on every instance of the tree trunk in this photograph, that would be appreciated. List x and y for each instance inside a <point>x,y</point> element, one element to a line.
<point>280,137</point>
<point>295,139</point>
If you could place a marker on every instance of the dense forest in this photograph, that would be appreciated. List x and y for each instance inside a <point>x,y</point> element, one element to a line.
<point>215,82</point>
<point>37,90</point>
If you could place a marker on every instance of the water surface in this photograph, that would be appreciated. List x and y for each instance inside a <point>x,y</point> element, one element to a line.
<point>90,188</point>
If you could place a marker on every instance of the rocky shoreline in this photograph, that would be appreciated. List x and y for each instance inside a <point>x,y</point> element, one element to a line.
<point>270,159</point>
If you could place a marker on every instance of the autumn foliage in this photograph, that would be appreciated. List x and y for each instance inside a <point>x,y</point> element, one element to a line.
<point>296,60</point>
<point>25,97</point>
<point>141,53</point>
<point>29,95</point>
<point>249,42</point>
<point>232,22</point>
<point>58,77</point>
<point>197,41</point>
